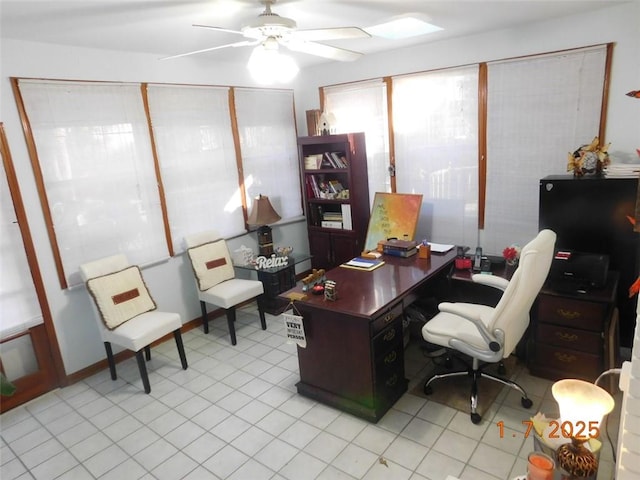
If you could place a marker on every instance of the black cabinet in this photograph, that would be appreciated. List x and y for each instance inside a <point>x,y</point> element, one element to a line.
<point>595,214</point>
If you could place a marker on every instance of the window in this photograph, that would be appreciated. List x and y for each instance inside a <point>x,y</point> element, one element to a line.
<point>435,126</point>
<point>539,109</point>
<point>18,299</point>
<point>194,140</point>
<point>362,107</point>
<point>96,169</point>
<point>96,166</point>
<point>269,148</point>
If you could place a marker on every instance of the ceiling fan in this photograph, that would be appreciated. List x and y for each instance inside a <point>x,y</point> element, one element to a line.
<point>271,31</point>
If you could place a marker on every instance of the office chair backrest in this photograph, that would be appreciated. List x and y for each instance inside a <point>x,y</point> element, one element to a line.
<point>511,314</point>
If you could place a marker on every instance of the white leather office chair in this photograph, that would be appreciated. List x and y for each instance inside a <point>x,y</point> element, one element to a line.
<point>490,334</point>
<point>127,314</point>
<point>216,282</point>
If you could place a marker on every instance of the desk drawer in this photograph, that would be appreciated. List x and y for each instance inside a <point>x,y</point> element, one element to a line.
<point>583,340</point>
<point>388,338</point>
<point>569,362</point>
<point>572,313</point>
<point>383,320</point>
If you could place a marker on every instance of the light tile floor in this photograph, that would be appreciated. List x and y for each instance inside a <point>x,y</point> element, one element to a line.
<point>235,414</point>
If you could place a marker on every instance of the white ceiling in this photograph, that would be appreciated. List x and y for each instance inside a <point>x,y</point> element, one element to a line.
<point>164,27</point>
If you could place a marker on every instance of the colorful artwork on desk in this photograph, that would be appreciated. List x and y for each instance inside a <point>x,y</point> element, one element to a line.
<point>393,215</point>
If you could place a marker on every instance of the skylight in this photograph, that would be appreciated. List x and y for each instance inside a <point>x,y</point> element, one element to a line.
<point>404,27</point>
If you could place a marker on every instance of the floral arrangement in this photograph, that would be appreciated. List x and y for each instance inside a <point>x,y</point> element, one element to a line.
<point>511,254</point>
<point>589,159</point>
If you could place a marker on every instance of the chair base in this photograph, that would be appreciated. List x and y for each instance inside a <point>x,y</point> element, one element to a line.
<point>231,318</point>
<point>475,372</point>
<point>144,355</point>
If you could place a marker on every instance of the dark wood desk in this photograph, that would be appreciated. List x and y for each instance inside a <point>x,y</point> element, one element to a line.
<point>354,359</point>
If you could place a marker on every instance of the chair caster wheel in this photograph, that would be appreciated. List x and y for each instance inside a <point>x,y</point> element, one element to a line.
<point>526,402</point>
<point>427,390</point>
<point>475,418</point>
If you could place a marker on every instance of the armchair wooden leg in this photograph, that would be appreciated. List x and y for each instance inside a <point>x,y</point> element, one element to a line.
<point>263,321</point>
<point>142,366</point>
<point>231,319</point>
<point>183,358</point>
<point>147,352</point>
<point>205,319</point>
<point>110,360</point>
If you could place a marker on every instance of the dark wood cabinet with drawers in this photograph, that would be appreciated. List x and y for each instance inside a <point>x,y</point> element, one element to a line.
<point>345,377</point>
<point>575,335</point>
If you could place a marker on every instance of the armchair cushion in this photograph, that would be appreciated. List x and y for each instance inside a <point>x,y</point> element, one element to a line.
<point>211,264</point>
<point>120,296</point>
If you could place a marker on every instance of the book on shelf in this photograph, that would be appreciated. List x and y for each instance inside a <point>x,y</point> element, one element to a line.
<point>347,223</point>
<point>312,162</point>
<point>335,186</point>
<point>331,224</point>
<point>335,216</point>
<point>338,159</point>
<point>364,264</point>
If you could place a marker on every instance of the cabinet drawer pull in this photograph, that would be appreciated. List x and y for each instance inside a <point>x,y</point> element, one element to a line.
<point>565,357</point>
<point>391,357</point>
<point>390,335</point>
<point>567,337</point>
<point>568,314</point>
<point>392,380</point>
<point>388,317</point>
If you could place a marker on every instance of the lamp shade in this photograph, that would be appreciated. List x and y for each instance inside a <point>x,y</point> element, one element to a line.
<point>582,407</point>
<point>262,212</point>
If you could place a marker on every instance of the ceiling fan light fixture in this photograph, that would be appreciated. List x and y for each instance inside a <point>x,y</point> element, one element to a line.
<point>268,65</point>
<point>403,27</point>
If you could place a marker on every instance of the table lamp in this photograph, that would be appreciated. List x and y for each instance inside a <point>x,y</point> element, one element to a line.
<point>582,407</point>
<point>263,213</point>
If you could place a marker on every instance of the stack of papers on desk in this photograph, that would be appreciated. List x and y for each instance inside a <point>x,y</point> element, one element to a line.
<point>366,264</point>
<point>440,247</point>
<point>622,170</point>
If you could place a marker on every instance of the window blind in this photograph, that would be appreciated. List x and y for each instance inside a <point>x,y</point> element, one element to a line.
<point>435,122</point>
<point>97,170</point>
<point>362,107</point>
<point>194,143</point>
<point>19,306</point>
<point>539,109</point>
<point>268,143</point>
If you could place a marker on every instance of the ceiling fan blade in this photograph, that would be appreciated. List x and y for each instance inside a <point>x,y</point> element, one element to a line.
<point>244,43</point>
<point>218,29</point>
<point>321,50</point>
<point>314,35</point>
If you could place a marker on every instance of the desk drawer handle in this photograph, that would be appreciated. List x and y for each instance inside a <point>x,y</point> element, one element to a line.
<point>391,381</point>
<point>568,314</point>
<point>567,337</point>
<point>565,357</point>
<point>391,357</point>
<point>390,335</point>
<point>388,317</point>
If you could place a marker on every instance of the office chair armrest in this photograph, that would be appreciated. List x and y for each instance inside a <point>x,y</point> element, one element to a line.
<point>490,280</point>
<point>474,317</point>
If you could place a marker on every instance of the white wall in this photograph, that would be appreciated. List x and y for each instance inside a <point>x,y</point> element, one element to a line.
<point>171,282</point>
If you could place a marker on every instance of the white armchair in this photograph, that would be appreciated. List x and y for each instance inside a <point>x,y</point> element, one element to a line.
<point>216,282</point>
<point>127,314</point>
<point>490,334</point>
